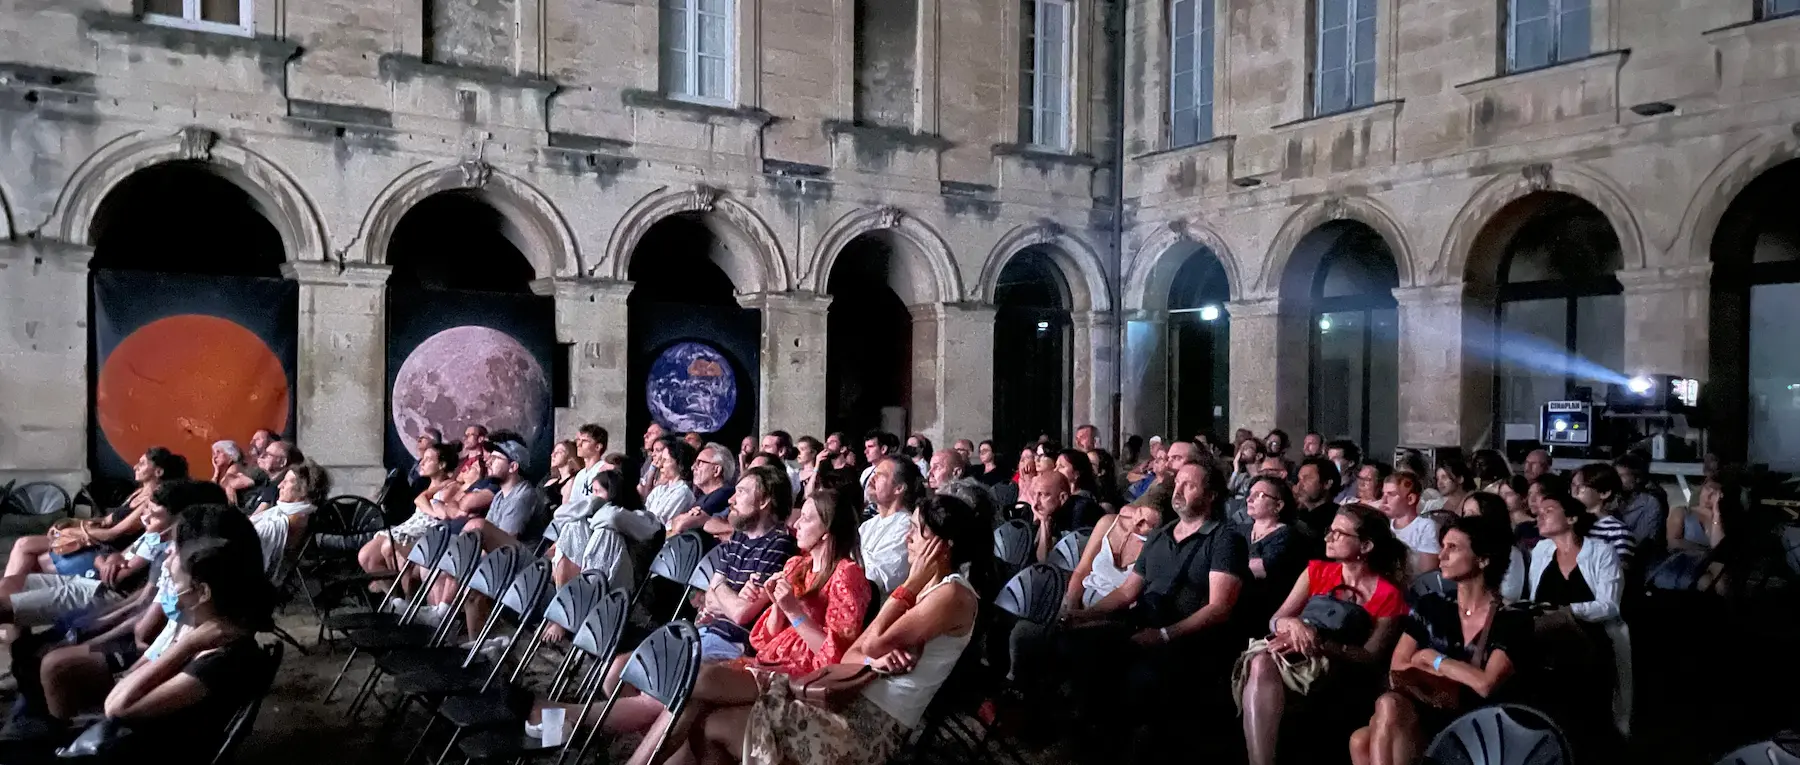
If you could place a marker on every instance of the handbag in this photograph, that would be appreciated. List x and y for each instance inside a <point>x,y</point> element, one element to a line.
<point>101,739</point>
<point>832,686</point>
<point>1342,620</point>
<point>66,538</point>
<point>1436,690</point>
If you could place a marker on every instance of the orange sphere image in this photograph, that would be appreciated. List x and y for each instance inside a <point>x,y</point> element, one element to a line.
<point>185,382</point>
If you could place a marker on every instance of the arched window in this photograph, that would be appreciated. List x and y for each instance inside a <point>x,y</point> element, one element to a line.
<point>1199,354</point>
<point>1754,391</point>
<point>1355,331</point>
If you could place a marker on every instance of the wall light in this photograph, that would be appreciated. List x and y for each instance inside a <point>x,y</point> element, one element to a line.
<point>1209,313</point>
<point>1325,324</point>
<point>1043,325</point>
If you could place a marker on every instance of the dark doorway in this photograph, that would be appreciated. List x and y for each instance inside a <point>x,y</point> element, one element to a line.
<point>1199,362</point>
<point>1031,352</point>
<point>1753,400</point>
<point>183,218</point>
<point>868,341</point>
<point>455,240</point>
<point>1355,385</point>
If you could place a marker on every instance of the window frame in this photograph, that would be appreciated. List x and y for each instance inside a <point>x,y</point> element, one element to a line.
<point>689,89</point>
<point>1035,135</point>
<point>1767,10</point>
<point>1351,56</point>
<point>190,19</point>
<point>1555,17</point>
<point>1202,76</point>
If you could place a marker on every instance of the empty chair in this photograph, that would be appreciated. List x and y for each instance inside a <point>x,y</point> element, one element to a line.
<point>1762,753</point>
<point>35,498</point>
<point>460,560</point>
<point>1035,594</point>
<point>1013,542</point>
<point>1067,553</point>
<point>679,560</point>
<point>1504,734</point>
<point>491,579</point>
<point>423,556</point>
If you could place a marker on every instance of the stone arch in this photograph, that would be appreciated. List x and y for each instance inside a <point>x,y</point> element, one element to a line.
<point>1318,213</point>
<point>1080,265</point>
<point>1153,267</point>
<point>537,228</point>
<point>275,193</point>
<point>1454,261</point>
<point>926,255</point>
<point>757,263</point>
<point>6,224</point>
<point>1721,187</point>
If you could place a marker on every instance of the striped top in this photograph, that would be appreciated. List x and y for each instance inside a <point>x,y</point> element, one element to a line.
<point>1611,530</point>
<point>745,556</point>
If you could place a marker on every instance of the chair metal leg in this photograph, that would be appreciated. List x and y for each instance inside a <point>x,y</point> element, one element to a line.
<point>289,639</point>
<point>340,677</point>
<point>430,723</point>
<point>455,736</point>
<point>362,696</point>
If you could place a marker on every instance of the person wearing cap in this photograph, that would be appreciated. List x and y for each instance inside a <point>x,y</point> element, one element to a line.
<point>518,507</point>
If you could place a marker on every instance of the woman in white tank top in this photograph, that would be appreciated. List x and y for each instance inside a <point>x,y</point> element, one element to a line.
<point>1110,554</point>
<point>915,643</point>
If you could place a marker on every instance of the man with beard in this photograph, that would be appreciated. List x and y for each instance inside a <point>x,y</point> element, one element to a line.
<point>1167,630</point>
<point>1315,483</point>
<point>759,547</point>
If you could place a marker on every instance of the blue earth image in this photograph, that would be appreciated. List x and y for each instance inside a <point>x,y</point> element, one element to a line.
<point>691,388</point>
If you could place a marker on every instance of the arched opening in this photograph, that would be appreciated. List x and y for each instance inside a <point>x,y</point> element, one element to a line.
<point>1354,378</point>
<point>1754,396</point>
<point>868,339</point>
<point>1033,367</point>
<point>1559,308</point>
<point>468,343</point>
<point>191,329</point>
<point>694,351</point>
<point>1199,351</point>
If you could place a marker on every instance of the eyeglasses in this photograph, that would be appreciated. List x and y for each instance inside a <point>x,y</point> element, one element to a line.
<point>714,463</point>
<point>1263,495</point>
<point>1336,534</point>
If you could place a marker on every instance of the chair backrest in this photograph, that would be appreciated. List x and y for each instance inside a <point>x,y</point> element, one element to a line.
<point>1504,734</point>
<point>429,547</point>
<point>1035,594</point>
<point>709,565</point>
<point>461,555</point>
<point>679,556</point>
<point>601,628</point>
<point>1761,753</point>
<point>244,720</point>
<point>665,666</point>
<point>572,602</point>
<point>496,571</point>
<point>1067,553</point>
<point>1430,581</point>
<point>354,515</point>
<point>529,588</point>
<point>36,498</point>
<point>1012,542</point>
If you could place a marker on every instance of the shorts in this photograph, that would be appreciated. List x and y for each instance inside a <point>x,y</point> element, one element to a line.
<point>716,647</point>
<point>79,563</point>
<point>48,596</point>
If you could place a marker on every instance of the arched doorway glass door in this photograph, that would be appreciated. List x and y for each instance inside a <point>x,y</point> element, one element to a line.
<point>1754,394</point>
<point>1032,365</point>
<point>1199,353</point>
<point>1355,378</point>
<point>868,340</point>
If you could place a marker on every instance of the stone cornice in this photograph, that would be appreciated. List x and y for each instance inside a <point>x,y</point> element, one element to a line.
<point>1695,276</point>
<point>327,274</point>
<point>581,289</point>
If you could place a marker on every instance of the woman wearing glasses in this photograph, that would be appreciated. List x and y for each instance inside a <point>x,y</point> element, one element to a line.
<point>1276,556</point>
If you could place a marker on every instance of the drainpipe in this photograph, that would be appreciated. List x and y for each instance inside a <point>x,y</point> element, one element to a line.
<point>1116,64</point>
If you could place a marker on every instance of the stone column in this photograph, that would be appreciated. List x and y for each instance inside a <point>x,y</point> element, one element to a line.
<point>1269,360</point>
<point>340,377</point>
<point>1667,320</point>
<point>1144,389</point>
<point>591,317</point>
<point>1446,382</point>
<point>43,362</point>
<point>791,395</point>
<point>953,371</point>
<point>1095,355</point>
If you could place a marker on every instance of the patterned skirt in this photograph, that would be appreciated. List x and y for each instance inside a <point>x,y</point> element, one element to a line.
<point>412,528</point>
<point>783,730</point>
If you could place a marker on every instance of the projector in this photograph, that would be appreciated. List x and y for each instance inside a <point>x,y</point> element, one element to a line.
<point>1653,394</point>
<point>1568,423</point>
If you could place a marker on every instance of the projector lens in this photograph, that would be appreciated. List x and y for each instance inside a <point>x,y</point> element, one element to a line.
<point>1638,385</point>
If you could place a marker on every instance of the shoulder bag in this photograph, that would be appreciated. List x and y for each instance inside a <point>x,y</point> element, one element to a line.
<point>832,686</point>
<point>1339,618</point>
<point>1437,690</point>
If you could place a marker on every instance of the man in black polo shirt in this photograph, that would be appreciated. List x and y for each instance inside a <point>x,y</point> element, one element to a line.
<point>1167,631</point>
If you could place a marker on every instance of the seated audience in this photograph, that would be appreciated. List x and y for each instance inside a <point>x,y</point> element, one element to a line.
<point>448,500</point>
<point>715,477</point>
<point>590,449</point>
<point>1347,456</point>
<point>1643,507</point>
<point>275,458</point>
<point>1597,486</point>
<point>1455,481</point>
<point>1085,507</point>
<point>1400,503</point>
<point>1106,479</point>
<point>1580,580</point>
<point>39,600</point>
<point>1331,671</point>
<point>1454,651</point>
<point>1315,487</point>
<point>282,527</point>
<point>1111,553</point>
<point>758,552</point>
<point>1491,470</point>
<point>1371,477</point>
<point>82,542</point>
<point>229,473</point>
<point>673,494</point>
<point>1491,507</point>
<point>601,532</point>
<point>895,488</point>
<point>1515,491</point>
<point>1277,553</point>
<point>565,463</point>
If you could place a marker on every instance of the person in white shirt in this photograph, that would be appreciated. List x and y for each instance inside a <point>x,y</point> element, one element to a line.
<point>590,446</point>
<point>1400,503</point>
<point>895,488</point>
<point>282,526</point>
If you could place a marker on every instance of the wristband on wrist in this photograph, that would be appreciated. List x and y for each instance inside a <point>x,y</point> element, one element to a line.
<point>1437,663</point>
<point>797,619</point>
<point>1165,634</point>
<point>904,595</point>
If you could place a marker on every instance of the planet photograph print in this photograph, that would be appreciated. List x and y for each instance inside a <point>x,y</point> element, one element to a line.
<point>691,388</point>
<point>186,381</point>
<point>469,375</point>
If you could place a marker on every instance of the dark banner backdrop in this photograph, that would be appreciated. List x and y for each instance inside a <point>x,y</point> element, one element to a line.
<point>184,361</point>
<point>458,358</point>
<point>733,333</point>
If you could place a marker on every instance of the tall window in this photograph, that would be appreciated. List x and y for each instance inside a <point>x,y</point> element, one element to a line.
<point>228,16</point>
<point>1045,46</point>
<point>1344,70</point>
<point>1544,32</point>
<point>1772,8</point>
<point>1190,71</point>
<point>1355,385</point>
<point>697,49</point>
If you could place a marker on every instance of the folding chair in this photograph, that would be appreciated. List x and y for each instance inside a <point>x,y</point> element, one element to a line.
<point>492,577</point>
<point>460,560</point>
<point>1762,753</point>
<point>424,556</point>
<point>244,720</point>
<point>680,561</point>
<point>35,498</point>
<point>664,667</point>
<point>1035,594</point>
<point>1503,734</point>
<point>1066,555</point>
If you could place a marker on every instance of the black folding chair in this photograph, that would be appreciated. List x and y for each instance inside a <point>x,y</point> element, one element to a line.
<point>1066,555</point>
<point>460,561</point>
<point>424,556</point>
<point>244,720</point>
<point>37,498</point>
<point>678,561</point>
<point>1035,594</point>
<point>1761,753</point>
<point>1503,734</point>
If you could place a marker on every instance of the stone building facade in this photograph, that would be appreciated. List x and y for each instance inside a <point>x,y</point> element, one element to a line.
<point>789,130</point>
<point>1416,146</point>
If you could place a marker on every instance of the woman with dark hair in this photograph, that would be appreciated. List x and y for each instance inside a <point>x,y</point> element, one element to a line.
<point>1106,476</point>
<point>1362,564</point>
<point>1491,508</point>
<point>674,492</point>
<point>913,644</point>
<point>1490,468</point>
<point>1581,581</point>
<point>1084,500</point>
<point>1598,487</point>
<point>441,501</point>
<point>1515,491</point>
<point>1371,476</point>
<point>83,542</point>
<point>177,704</point>
<point>1454,650</point>
<point>1277,553</point>
<point>603,531</point>
<point>1454,481</point>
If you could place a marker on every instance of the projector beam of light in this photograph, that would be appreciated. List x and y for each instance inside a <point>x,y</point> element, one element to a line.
<point>1523,352</point>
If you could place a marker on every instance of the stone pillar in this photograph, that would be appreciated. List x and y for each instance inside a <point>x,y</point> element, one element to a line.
<point>953,371</point>
<point>340,378</point>
<point>791,395</point>
<point>1270,355</point>
<point>1095,352</point>
<point>1446,382</point>
<point>1144,388</point>
<point>44,379</point>
<point>1667,320</point>
<point>591,317</point>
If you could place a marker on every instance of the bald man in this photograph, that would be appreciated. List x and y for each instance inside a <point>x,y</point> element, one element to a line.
<point>1537,463</point>
<point>1049,496</point>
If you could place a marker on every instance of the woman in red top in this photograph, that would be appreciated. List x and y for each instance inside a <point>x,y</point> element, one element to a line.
<point>817,611</point>
<point>1361,555</point>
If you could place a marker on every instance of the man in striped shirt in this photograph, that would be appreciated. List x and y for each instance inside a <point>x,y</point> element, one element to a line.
<point>1597,486</point>
<point>759,547</point>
